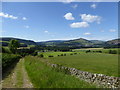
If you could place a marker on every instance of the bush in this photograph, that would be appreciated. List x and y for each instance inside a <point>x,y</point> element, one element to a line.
<point>50,56</point>
<point>61,54</point>
<point>8,59</point>
<point>71,54</point>
<point>88,51</point>
<point>64,54</point>
<point>112,52</point>
<point>41,55</point>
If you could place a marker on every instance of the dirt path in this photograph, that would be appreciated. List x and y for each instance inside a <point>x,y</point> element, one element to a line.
<point>18,78</point>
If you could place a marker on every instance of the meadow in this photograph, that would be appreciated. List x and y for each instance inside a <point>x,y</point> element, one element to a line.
<point>43,76</point>
<point>54,54</point>
<point>97,49</point>
<point>100,63</point>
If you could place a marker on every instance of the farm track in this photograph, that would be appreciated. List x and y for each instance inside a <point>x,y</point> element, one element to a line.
<point>18,78</point>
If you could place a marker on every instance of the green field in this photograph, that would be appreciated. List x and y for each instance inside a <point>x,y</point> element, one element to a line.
<point>92,62</point>
<point>43,76</point>
<point>55,54</point>
<point>96,49</point>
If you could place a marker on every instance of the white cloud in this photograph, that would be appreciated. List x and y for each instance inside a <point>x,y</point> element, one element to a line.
<point>79,25</point>
<point>90,18</point>
<point>93,6</point>
<point>112,30</point>
<point>46,31</point>
<point>69,16</point>
<point>27,26</point>
<point>24,18</point>
<point>5,15</point>
<point>87,33</point>
<point>74,6</point>
<point>66,1</point>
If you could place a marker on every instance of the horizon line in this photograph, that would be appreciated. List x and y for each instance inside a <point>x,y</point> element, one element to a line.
<point>58,39</point>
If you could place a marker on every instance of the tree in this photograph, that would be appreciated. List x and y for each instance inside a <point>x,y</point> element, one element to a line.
<point>13,45</point>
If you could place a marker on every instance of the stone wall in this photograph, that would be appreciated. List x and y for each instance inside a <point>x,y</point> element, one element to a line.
<point>99,79</point>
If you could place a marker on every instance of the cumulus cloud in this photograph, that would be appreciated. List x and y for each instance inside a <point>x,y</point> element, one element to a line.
<point>67,1</point>
<point>93,6</point>
<point>69,16</point>
<point>27,26</point>
<point>74,6</point>
<point>5,15</point>
<point>46,31</point>
<point>79,25</point>
<point>112,30</point>
<point>87,33</point>
<point>24,18</point>
<point>91,18</point>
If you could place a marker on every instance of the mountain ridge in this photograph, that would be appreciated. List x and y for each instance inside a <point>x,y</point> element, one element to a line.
<point>73,42</point>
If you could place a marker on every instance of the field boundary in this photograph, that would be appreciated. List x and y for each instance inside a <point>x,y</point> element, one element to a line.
<point>99,79</point>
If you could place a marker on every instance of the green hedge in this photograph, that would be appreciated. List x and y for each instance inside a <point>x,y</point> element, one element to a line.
<point>9,59</point>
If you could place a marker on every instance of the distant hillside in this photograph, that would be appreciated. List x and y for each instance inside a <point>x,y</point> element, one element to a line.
<point>78,42</point>
<point>5,41</point>
<point>50,43</point>
<point>113,42</point>
<point>81,42</point>
<point>97,41</point>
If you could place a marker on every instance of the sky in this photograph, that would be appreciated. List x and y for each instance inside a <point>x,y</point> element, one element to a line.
<point>43,21</point>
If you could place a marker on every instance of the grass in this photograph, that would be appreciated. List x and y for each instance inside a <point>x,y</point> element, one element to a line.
<point>55,54</point>
<point>92,62</point>
<point>19,75</point>
<point>43,76</point>
<point>97,49</point>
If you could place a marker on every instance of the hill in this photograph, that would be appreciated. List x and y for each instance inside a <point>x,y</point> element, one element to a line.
<point>5,41</point>
<point>81,42</point>
<point>113,42</point>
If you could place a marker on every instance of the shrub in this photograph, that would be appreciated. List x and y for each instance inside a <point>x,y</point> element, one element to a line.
<point>112,52</point>
<point>61,54</point>
<point>41,55</point>
<point>88,51</point>
<point>75,53</point>
<point>64,54</point>
<point>71,54</point>
<point>8,59</point>
<point>50,56</point>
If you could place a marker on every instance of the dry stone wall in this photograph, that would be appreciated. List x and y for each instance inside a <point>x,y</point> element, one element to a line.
<point>99,79</point>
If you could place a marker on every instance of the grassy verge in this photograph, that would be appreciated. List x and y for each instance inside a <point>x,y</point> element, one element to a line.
<point>43,76</point>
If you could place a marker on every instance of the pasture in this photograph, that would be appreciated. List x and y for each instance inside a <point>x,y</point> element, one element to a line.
<point>97,49</point>
<point>92,62</point>
<point>54,54</point>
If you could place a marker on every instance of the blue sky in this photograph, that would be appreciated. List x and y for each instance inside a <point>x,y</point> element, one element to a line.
<point>60,21</point>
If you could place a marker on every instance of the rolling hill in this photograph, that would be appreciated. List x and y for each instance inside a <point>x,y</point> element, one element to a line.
<point>81,42</point>
<point>5,41</point>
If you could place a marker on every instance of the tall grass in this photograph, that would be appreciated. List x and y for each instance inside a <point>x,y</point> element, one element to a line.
<point>43,76</point>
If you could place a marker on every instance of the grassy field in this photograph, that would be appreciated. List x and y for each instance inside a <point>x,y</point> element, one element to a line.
<point>54,54</point>
<point>43,76</point>
<point>91,62</point>
<point>96,49</point>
